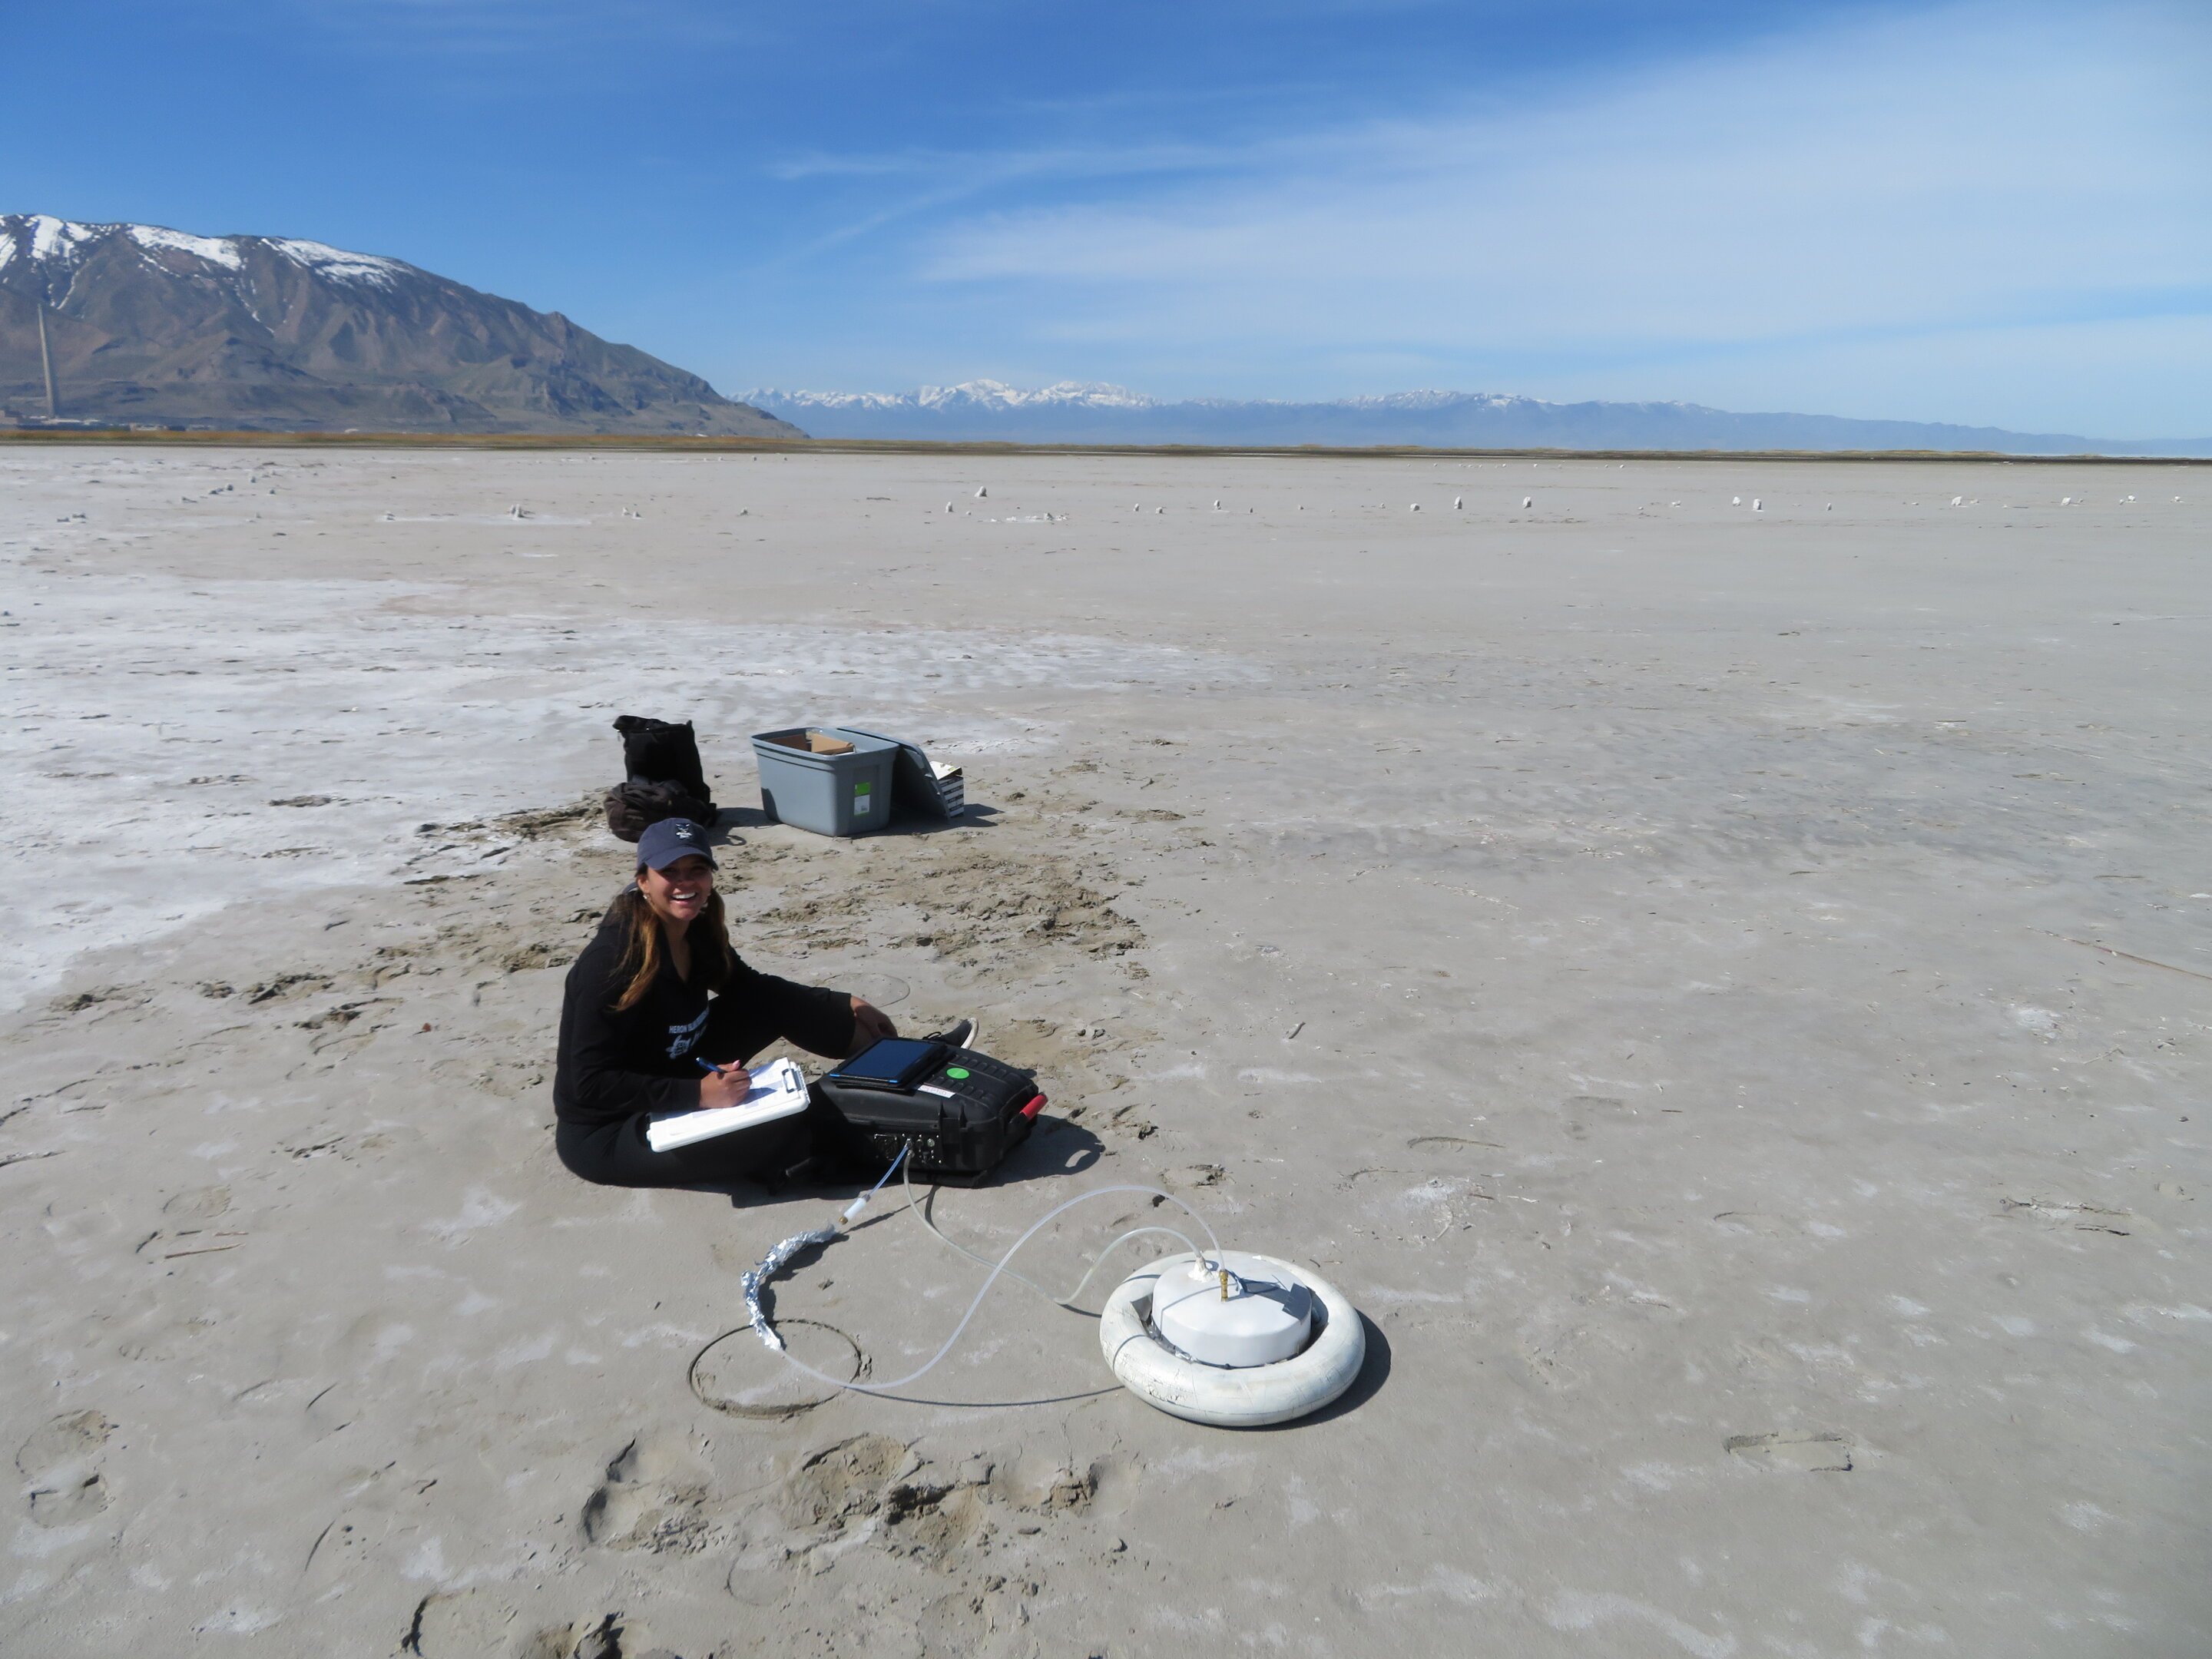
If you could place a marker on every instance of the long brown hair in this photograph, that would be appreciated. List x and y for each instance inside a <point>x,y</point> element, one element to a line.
<point>711,955</point>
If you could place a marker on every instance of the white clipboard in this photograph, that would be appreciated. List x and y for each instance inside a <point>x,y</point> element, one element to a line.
<point>779,1090</point>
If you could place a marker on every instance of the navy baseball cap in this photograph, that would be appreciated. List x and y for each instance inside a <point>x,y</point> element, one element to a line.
<point>672,839</point>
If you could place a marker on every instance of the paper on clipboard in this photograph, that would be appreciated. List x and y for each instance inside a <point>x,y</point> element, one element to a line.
<point>779,1090</point>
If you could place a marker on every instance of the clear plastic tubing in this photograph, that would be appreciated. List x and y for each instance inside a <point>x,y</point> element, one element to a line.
<point>862,1202</point>
<point>930,1363</point>
<point>922,1214</point>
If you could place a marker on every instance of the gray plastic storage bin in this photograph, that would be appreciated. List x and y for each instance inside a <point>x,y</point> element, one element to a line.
<point>848,794</point>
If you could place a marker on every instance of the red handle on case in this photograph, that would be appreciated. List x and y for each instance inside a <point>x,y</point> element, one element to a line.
<point>1036,1105</point>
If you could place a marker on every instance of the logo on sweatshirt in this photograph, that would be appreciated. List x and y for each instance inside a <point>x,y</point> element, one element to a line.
<point>681,1038</point>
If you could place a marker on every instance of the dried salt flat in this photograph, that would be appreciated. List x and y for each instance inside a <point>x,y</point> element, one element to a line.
<point>229,740</point>
<point>1725,1013</point>
<point>526,518</point>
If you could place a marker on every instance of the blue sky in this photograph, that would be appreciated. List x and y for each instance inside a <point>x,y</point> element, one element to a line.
<point>1987,213</point>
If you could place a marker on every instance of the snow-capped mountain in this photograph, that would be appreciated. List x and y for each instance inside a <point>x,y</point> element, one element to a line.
<point>1076,412</point>
<point>148,324</point>
<point>972,396</point>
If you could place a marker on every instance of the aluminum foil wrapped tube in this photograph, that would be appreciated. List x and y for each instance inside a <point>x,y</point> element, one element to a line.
<point>771,1264</point>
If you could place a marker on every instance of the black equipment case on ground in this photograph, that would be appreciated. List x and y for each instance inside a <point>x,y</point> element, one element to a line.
<point>960,1112</point>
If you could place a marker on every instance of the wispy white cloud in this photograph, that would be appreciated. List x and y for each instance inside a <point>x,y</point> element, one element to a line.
<point>934,180</point>
<point>1985,170</point>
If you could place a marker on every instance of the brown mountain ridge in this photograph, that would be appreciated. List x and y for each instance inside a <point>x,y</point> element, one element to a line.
<point>148,325</point>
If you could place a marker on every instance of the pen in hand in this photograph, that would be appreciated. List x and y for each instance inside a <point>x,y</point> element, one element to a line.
<point>736,1079</point>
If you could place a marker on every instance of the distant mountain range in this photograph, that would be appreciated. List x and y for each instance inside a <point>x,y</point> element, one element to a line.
<point>1076,413</point>
<point>150,325</point>
<point>147,326</point>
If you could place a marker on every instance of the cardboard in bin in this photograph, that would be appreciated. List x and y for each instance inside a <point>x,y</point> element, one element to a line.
<point>814,743</point>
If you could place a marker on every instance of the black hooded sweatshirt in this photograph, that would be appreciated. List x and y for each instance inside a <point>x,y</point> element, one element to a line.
<point>645,1059</point>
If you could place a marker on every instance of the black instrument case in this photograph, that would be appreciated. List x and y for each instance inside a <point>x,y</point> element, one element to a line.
<point>958,1112</point>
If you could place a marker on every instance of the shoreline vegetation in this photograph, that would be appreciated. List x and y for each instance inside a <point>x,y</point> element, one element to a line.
<point>676,443</point>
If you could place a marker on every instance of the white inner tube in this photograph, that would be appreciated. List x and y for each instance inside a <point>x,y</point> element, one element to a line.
<point>1247,1398</point>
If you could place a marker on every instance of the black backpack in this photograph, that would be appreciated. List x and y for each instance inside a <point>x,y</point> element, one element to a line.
<point>663,752</point>
<point>665,778</point>
<point>635,807</point>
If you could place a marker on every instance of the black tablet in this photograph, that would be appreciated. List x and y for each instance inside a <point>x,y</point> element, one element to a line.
<point>896,1063</point>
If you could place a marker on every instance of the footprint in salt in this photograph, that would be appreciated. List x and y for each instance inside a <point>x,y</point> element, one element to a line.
<point>61,1462</point>
<point>198,1204</point>
<point>1793,1453</point>
<point>654,1498</point>
<point>1451,1144</point>
<point>1752,1221</point>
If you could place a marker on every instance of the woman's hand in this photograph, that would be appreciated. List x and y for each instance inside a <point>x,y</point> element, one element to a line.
<point>726,1086</point>
<point>870,1025</point>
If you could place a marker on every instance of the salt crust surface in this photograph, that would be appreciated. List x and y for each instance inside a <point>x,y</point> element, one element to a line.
<point>151,725</point>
